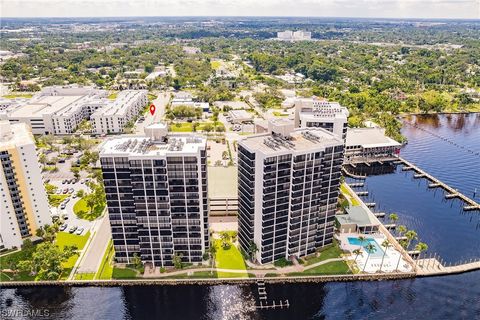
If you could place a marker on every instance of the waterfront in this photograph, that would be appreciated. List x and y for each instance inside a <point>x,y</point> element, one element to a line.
<point>440,223</point>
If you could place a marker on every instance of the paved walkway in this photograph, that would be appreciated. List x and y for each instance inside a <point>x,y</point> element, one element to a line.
<point>91,257</point>
<point>431,267</point>
<point>257,272</point>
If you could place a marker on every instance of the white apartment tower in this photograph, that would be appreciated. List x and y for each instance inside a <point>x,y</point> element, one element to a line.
<point>156,188</point>
<point>288,181</point>
<point>24,205</point>
<point>318,113</point>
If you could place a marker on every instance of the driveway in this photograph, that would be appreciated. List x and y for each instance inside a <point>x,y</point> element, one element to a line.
<point>160,105</point>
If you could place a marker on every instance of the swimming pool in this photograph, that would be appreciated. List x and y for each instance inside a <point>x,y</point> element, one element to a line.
<point>356,242</point>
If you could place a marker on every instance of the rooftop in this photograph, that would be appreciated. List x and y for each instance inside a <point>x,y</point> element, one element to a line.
<point>12,135</point>
<point>357,215</point>
<point>369,137</point>
<point>142,146</point>
<point>299,140</point>
<point>222,182</point>
<point>41,105</point>
<point>119,105</point>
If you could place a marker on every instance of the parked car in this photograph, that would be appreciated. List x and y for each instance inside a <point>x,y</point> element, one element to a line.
<point>61,160</point>
<point>79,231</point>
<point>59,191</point>
<point>64,181</point>
<point>66,200</point>
<point>71,190</point>
<point>63,206</point>
<point>74,196</point>
<point>63,227</point>
<point>65,190</point>
<point>72,229</point>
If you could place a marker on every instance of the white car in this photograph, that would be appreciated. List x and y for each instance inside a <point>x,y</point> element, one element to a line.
<point>79,231</point>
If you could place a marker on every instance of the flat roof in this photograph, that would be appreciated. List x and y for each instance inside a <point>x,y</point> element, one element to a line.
<point>369,137</point>
<point>41,105</point>
<point>222,182</point>
<point>12,135</point>
<point>145,147</point>
<point>301,139</point>
<point>356,215</point>
<point>120,104</point>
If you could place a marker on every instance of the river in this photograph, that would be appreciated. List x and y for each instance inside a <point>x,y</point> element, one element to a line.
<point>443,145</point>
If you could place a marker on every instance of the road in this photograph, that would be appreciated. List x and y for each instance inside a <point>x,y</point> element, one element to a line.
<point>160,105</point>
<point>93,254</point>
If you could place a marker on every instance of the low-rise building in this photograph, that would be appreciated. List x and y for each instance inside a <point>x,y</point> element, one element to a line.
<point>369,145</point>
<point>113,117</point>
<point>240,116</point>
<point>60,109</point>
<point>289,35</point>
<point>23,201</point>
<point>357,220</point>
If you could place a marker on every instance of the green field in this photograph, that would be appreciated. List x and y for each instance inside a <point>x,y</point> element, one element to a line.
<point>83,212</point>
<point>124,273</point>
<point>85,276</point>
<point>68,239</point>
<point>20,95</point>
<point>181,127</point>
<point>330,252</point>
<point>331,268</point>
<point>229,259</point>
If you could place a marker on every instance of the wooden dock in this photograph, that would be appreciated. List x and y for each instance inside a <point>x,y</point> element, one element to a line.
<point>264,304</point>
<point>434,267</point>
<point>452,193</point>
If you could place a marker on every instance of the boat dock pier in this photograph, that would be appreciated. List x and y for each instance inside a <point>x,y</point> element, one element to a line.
<point>435,183</point>
<point>264,304</point>
<point>435,266</point>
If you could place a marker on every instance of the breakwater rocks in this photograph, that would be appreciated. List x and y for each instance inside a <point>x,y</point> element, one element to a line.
<point>158,282</point>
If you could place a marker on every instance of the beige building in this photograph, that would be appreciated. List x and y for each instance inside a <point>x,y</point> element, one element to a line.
<point>23,201</point>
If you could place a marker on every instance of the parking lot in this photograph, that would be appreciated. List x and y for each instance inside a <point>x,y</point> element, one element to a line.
<point>66,214</point>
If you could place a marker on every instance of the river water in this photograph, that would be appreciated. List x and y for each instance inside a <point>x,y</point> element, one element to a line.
<point>443,145</point>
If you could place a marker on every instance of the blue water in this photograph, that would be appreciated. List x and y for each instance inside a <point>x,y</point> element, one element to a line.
<point>378,252</point>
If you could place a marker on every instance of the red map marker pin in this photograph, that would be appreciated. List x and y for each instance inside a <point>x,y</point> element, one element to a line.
<point>152,109</point>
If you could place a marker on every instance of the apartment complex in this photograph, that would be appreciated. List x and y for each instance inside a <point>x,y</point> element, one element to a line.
<point>24,204</point>
<point>320,113</point>
<point>116,114</point>
<point>288,184</point>
<point>289,35</point>
<point>156,189</point>
<point>59,110</point>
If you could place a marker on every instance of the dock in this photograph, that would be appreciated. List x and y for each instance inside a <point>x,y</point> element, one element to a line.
<point>356,185</point>
<point>362,193</point>
<point>471,204</point>
<point>370,204</point>
<point>379,214</point>
<point>262,296</point>
<point>434,267</point>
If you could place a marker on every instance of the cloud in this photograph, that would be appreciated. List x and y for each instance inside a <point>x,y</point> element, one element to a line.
<point>338,8</point>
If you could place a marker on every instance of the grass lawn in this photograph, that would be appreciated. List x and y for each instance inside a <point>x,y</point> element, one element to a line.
<point>106,267</point>
<point>181,127</point>
<point>195,275</point>
<point>8,261</point>
<point>334,267</point>
<point>83,212</point>
<point>13,96</point>
<point>55,199</point>
<point>84,276</point>
<point>124,273</point>
<point>229,259</point>
<point>280,114</point>
<point>348,195</point>
<point>68,239</point>
<point>215,64</point>
<point>332,251</point>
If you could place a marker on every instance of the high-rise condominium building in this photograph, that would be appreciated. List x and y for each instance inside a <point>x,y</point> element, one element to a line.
<point>156,188</point>
<point>24,204</point>
<point>319,113</point>
<point>288,188</point>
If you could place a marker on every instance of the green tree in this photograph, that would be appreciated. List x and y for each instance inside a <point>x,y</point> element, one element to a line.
<point>252,250</point>
<point>357,252</point>
<point>76,172</point>
<point>370,249</point>
<point>385,244</point>
<point>177,260</point>
<point>136,261</point>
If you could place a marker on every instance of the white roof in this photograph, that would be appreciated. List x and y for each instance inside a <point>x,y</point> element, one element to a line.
<point>369,138</point>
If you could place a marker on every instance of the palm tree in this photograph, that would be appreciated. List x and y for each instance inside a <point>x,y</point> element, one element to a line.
<point>370,249</point>
<point>225,238</point>
<point>401,229</point>
<point>421,247</point>
<point>252,249</point>
<point>357,252</point>
<point>213,253</point>
<point>362,240</point>
<point>403,243</point>
<point>411,235</point>
<point>386,244</point>
<point>393,217</point>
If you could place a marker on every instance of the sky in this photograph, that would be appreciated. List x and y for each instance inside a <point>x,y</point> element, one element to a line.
<point>453,9</point>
